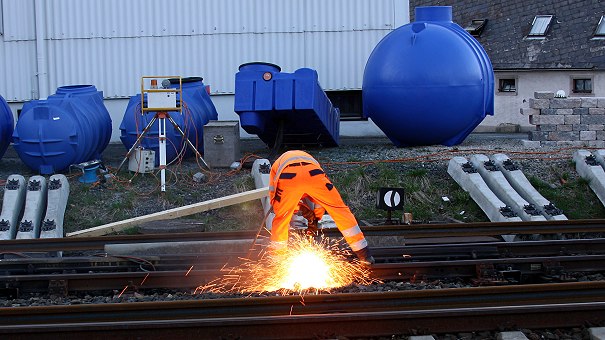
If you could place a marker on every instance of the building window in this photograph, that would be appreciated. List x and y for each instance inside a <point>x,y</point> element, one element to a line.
<point>582,85</point>
<point>349,103</point>
<point>476,27</point>
<point>508,85</point>
<point>600,31</point>
<point>540,26</point>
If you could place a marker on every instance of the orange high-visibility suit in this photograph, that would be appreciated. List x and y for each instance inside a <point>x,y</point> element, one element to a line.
<point>296,175</point>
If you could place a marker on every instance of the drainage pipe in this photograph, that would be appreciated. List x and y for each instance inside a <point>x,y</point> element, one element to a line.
<point>41,62</point>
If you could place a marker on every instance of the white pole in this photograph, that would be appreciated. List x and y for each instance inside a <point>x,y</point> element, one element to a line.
<point>162,146</point>
<point>41,61</point>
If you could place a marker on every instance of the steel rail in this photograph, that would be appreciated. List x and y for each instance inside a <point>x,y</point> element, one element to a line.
<point>141,320</point>
<point>493,249</point>
<point>425,252</point>
<point>527,266</point>
<point>428,250</point>
<point>99,242</point>
<point>407,231</point>
<point>312,303</point>
<point>190,276</point>
<point>488,228</point>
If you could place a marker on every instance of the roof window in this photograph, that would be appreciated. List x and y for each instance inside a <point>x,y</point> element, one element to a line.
<point>476,27</point>
<point>600,31</point>
<point>540,25</point>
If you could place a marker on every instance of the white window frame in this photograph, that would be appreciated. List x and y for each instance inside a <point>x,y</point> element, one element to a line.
<point>599,32</point>
<point>536,32</point>
<point>499,78</point>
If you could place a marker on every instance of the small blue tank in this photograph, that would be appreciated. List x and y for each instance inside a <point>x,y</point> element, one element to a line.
<point>197,110</point>
<point>72,126</point>
<point>268,100</point>
<point>428,82</point>
<point>6,126</point>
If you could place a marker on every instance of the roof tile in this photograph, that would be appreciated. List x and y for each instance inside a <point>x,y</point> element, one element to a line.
<point>568,43</point>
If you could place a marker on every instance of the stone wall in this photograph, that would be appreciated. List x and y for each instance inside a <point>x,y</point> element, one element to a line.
<point>573,121</point>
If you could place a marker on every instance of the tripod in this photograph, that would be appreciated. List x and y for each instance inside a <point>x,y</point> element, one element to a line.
<point>162,116</point>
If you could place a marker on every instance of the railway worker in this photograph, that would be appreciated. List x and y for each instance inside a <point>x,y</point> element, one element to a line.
<point>297,176</point>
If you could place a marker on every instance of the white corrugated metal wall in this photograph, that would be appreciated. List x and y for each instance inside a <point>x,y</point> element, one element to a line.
<point>112,43</point>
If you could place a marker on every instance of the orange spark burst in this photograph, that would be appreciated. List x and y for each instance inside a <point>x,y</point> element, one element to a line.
<point>304,266</point>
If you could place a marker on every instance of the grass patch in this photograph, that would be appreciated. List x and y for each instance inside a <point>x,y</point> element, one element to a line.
<point>574,197</point>
<point>424,189</point>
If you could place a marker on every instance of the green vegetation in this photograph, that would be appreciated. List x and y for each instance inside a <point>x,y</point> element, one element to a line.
<point>573,196</point>
<point>431,195</point>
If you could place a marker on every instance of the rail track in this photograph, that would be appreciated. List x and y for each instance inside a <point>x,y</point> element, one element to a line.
<point>504,296</point>
<point>407,231</point>
<point>492,265</point>
<point>293,317</point>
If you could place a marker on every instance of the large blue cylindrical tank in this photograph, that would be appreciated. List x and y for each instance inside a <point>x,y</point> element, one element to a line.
<point>428,82</point>
<point>197,110</point>
<point>6,126</point>
<point>72,126</point>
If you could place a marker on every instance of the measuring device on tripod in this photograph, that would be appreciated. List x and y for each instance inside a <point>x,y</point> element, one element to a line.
<point>162,101</point>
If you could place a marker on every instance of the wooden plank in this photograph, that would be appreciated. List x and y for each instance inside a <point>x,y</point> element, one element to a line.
<point>174,213</point>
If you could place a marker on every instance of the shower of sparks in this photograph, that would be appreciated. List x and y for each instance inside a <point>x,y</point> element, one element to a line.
<point>304,266</point>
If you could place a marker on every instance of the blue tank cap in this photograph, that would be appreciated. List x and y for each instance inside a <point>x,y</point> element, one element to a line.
<point>259,66</point>
<point>434,13</point>
<point>76,89</point>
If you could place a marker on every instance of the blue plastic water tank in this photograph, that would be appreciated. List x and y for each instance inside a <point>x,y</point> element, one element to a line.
<point>428,82</point>
<point>6,126</point>
<point>268,100</point>
<point>70,127</point>
<point>197,110</point>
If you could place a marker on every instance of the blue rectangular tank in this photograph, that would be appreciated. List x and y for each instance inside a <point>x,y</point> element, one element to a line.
<point>267,99</point>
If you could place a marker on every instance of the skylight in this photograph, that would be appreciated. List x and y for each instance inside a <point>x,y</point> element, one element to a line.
<point>600,31</point>
<point>540,25</point>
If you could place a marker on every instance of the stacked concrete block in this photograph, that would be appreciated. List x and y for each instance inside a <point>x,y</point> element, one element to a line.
<point>521,184</point>
<point>591,167</point>
<point>465,174</point>
<point>12,205</point>
<point>571,121</point>
<point>35,205</point>
<point>501,187</point>
<point>58,193</point>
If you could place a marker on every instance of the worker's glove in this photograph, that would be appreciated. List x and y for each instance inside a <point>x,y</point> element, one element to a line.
<point>364,256</point>
<point>312,222</point>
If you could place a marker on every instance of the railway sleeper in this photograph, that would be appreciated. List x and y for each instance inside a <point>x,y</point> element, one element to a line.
<point>58,287</point>
<point>490,274</point>
<point>9,290</point>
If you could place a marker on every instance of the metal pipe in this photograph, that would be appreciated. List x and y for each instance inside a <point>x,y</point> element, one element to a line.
<point>41,60</point>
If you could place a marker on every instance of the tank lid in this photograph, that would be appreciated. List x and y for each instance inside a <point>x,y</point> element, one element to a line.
<point>76,89</point>
<point>186,80</point>
<point>434,13</point>
<point>259,66</point>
